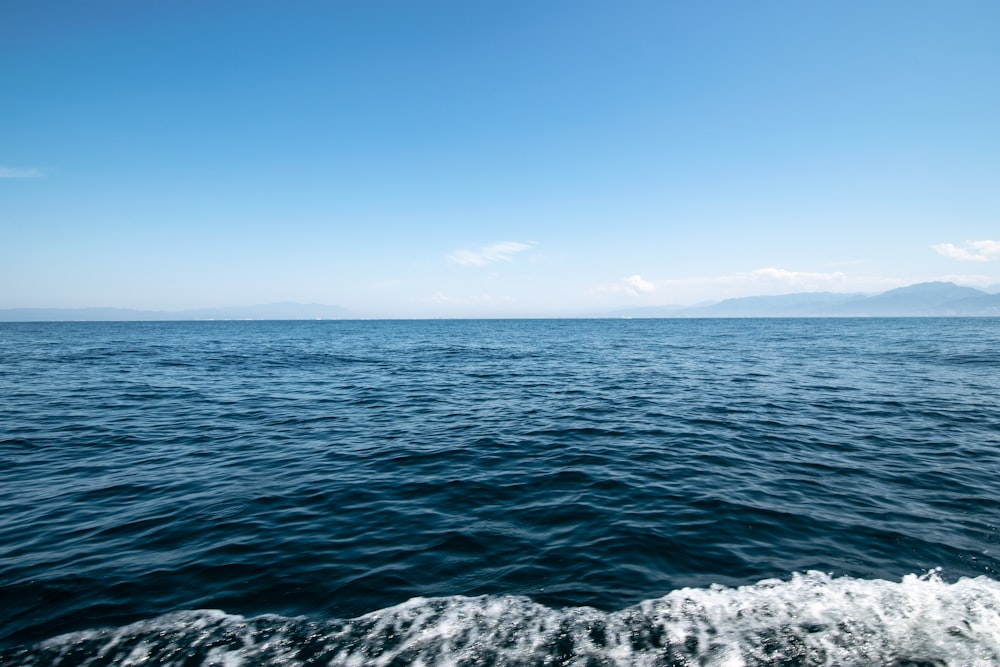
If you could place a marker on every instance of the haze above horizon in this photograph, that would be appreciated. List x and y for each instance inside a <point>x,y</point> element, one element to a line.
<point>462,159</point>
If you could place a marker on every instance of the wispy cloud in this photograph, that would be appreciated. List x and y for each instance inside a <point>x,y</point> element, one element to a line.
<point>21,172</point>
<point>764,281</point>
<point>970,251</point>
<point>490,254</point>
<point>970,279</point>
<point>793,278</point>
<point>473,299</point>
<point>633,285</point>
<point>640,284</point>
<point>767,279</point>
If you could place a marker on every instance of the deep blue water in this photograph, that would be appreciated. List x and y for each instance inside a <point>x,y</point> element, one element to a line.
<point>591,492</point>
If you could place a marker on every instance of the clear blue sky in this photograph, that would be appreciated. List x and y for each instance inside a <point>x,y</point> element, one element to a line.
<point>493,157</point>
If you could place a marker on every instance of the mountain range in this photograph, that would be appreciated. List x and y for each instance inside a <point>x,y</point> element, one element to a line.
<point>934,299</point>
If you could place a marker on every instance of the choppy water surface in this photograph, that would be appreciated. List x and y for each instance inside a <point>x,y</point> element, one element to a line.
<point>760,492</point>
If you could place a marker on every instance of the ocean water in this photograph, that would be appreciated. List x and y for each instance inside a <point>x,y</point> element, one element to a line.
<point>524,492</point>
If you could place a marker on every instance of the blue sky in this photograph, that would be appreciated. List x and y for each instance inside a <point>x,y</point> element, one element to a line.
<point>493,158</point>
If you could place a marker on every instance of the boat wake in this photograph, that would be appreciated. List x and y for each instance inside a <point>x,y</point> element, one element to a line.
<point>811,619</point>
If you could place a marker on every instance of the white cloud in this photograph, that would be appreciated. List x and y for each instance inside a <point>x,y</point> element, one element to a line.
<point>970,280</point>
<point>496,252</point>
<point>970,251</point>
<point>769,277</point>
<point>441,298</point>
<point>20,172</point>
<point>794,278</point>
<point>640,284</point>
<point>768,281</point>
<point>633,286</point>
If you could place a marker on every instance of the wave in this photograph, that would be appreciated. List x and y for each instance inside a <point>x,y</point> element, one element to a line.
<point>811,619</point>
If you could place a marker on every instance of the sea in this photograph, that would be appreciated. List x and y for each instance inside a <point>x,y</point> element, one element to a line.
<point>501,492</point>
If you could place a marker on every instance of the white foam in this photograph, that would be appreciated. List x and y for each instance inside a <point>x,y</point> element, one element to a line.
<point>811,619</point>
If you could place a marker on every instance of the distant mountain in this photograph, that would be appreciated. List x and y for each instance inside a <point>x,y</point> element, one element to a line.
<point>271,311</point>
<point>924,299</point>
<point>804,304</point>
<point>936,299</point>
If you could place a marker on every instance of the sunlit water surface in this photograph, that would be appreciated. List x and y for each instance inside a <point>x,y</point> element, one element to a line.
<point>580,492</point>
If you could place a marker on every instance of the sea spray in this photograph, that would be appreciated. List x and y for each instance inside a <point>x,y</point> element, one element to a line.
<point>810,619</point>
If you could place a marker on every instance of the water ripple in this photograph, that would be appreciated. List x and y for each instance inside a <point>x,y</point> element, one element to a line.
<point>337,468</point>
